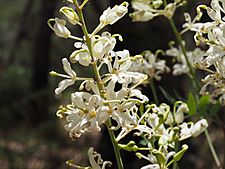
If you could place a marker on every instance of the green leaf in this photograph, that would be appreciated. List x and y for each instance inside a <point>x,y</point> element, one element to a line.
<point>203,104</point>
<point>191,104</point>
<point>167,96</point>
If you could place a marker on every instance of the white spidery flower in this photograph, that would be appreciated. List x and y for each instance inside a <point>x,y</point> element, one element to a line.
<point>101,46</point>
<point>214,84</point>
<point>145,10</point>
<point>151,66</point>
<point>119,70</point>
<point>181,67</point>
<point>123,108</point>
<point>95,163</point>
<point>85,115</point>
<point>70,78</point>
<point>216,11</point>
<point>95,160</point>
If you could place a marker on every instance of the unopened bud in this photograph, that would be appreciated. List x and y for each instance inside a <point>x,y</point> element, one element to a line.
<point>70,14</point>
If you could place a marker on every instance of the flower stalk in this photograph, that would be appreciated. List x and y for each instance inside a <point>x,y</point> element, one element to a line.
<point>195,84</point>
<point>98,80</point>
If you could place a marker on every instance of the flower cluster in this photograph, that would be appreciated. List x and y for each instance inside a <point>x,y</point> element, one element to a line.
<point>168,127</point>
<point>211,33</point>
<point>145,10</point>
<point>181,66</point>
<point>151,65</point>
<point>99,99</point>
<point>112,94</point>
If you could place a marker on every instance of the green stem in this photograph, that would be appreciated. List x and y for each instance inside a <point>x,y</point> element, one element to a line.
<point>115,145</point>
<point>175,164</point>
<point>216,159</point>
<point>98,81</point>
<point>197,87</point>
<point>179,41</point>
<point>88,41</point>
<point>195,82</point>
<point>83,4</point>
<point>152,85</point>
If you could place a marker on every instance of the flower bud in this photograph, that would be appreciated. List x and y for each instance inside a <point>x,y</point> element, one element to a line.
<point>199,127</point>
<point>169,10</point>
<point>180,154</point>
<point>70,14</point>
<point>59,27</point>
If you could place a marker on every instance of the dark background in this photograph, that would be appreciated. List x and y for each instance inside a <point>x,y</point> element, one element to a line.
<point>31,136</point>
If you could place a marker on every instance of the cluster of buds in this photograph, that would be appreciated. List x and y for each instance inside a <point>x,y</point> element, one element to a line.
<point>145,10</point>
<point>211,34</point>
<point>168,128</point>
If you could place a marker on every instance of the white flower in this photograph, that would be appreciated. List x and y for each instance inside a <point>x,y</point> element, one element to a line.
<point>82,56</point>
<point>85,115</point>
<point>166,138</point>
<point>151,166</point>
<point>150,66</point>
<point>199,127</point>
<point>186,130</point>
<point>60,28</point>
<point>103,44</point>
<point>170,10</point>
<point>179,114</point>
<point>70,78</point>
<point>151,158</point>
<point>119,71</point>
<point>145,10</point>
<point>216,50</point>
<point>142,11</point>
<point>192,130</point>
<point>215,12</point>
<point>214,84</point>
<point>96,160</point>
<point>181,67</point>
<point>123,111</point>
<point>110,16</point>
<point>153,121</point>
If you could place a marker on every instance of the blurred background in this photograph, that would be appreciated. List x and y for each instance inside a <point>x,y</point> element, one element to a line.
<point>31,136</point>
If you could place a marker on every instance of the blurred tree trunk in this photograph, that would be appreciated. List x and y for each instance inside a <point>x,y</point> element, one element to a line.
<point>41,57</point>
<point>22,30</point>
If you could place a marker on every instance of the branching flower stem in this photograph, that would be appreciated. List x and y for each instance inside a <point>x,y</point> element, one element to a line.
<point>179,41</point>
<point>195,84</point>
<point>197,87</point>
<point>99,81</point>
